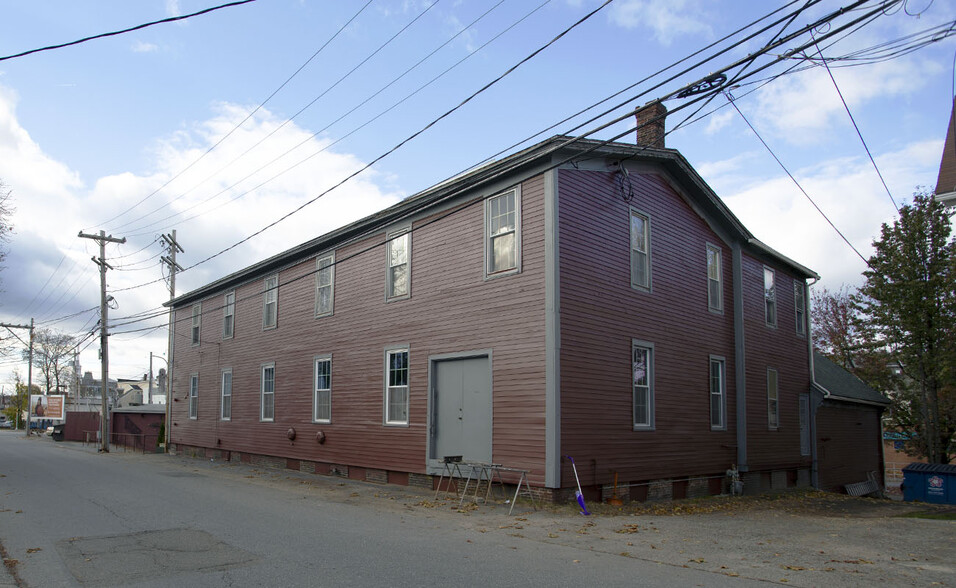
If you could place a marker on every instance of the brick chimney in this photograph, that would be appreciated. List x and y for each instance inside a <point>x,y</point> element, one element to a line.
<point>650,125</point>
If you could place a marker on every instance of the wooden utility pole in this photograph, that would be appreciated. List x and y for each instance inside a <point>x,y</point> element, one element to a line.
<point>170,260</point>
<point>29,364</point>
<point>102,239</point>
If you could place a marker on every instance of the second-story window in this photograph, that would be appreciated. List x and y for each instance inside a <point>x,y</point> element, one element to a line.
<point>399,274</point>
<point>197,321</point>
<point>229,316</point>
<point>770,296</point>
<point>324,279</point>
<point>714,291</point>
<point>502,233</point>
<point>270,302</point>
<point>640,251</point>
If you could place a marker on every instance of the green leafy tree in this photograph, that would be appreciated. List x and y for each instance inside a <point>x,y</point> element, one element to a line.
<point>908,302</point>
<point>19,403</point>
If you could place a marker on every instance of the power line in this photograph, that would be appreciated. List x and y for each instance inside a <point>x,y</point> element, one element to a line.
<point>738,63</point>
<point>243,121</point>
<point>406,140</point>
<point>129,30</point>
<point>787,171</point>
<point>328,126</point>
<point>855,126</point>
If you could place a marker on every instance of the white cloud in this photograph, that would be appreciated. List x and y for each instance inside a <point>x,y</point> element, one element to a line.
<point>53,204</point>
<point>172,8</point>
<point>143,47</point>
<point>848,191</point>
<point>667,20</point>
<point>806,109</point>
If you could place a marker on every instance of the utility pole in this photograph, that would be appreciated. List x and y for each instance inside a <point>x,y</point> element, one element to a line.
<point>102,239</point>
<point>29,364</point>
<point>170,260</point>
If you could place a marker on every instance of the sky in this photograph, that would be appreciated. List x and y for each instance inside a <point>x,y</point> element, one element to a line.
<point>218,125</point>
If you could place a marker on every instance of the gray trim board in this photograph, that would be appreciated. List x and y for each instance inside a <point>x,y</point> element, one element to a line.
<point>552,334</point>
<point>740,362</point>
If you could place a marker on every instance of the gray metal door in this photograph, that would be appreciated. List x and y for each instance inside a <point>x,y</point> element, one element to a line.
<point>463,409</point>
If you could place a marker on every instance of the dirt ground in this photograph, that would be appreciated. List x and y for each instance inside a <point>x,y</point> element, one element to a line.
<point>804,538</point>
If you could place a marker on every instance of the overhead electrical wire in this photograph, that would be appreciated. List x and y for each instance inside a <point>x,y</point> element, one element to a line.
<point>603,126</point>
<point>331,144</point>
<point>243,121</point>
<point>857,128</point>
<point>795,181</point>
<point>738,63</point>
<point>515,165</point>
<point>129,30</point>
<point>407,139</point>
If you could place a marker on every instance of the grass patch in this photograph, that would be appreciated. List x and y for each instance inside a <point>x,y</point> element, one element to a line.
<point>929,514</point>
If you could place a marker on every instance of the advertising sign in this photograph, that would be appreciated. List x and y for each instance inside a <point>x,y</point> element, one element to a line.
<point>47,406</point>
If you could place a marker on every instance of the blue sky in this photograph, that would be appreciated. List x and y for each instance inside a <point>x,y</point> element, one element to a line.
<point>89,131</point>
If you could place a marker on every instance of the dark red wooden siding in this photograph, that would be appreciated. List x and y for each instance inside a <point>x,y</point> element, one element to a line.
<point>601,313</point>
<point>780,348</point>
<point>452,308</point>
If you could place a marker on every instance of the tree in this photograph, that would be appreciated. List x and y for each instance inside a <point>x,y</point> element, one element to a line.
<point>909,303</point>
<point>840,334</point>
<point>52,356</point>
<point>20,403</point>
<point>6,211</point>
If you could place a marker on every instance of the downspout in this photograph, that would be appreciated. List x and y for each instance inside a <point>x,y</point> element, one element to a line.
<point>814,465</point>
<point>740,363</point>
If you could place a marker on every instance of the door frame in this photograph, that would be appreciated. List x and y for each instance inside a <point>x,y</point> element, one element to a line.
<point>433,463</point>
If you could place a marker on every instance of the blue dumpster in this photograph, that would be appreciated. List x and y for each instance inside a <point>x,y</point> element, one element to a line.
<point>930,482</point>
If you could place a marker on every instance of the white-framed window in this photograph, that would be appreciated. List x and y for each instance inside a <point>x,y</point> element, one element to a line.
<point>642,381</point>
<point>503,233</point>
<point>770,296</point>
<point>804,424</point>
<point>398,271</point>
<point>229,316</point>
<point>800,306</point>
<point>322,389</point>
<point>197,322</point>
<point>267,393</point>
<point>270,302</point>
<point>718,394</point>
<point>324,284</point>
<point>194,396</point>
<point>715,292</point>
<point>225,395</point>
<point>773,399</point>
<point>640,251</point>
<point>396,386</point>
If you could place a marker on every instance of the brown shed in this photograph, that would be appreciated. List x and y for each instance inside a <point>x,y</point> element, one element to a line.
<point>849,432</point>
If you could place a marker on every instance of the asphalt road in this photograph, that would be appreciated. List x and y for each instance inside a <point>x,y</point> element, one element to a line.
<point>72,517</point>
